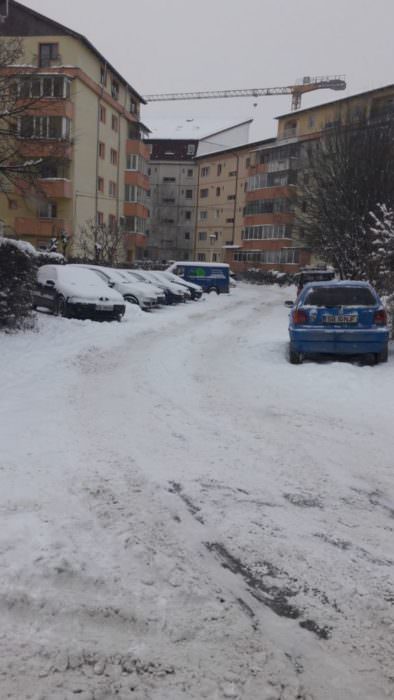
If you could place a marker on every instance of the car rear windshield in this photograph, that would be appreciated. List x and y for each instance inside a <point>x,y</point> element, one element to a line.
<point>340,296</point>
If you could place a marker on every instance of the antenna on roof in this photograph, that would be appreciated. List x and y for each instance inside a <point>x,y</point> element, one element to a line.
<point>4,10</point>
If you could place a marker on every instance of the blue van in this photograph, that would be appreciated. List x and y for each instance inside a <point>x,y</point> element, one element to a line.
<point>212,277</point>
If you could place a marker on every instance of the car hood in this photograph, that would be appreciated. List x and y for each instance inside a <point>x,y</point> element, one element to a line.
<point>87,290</point>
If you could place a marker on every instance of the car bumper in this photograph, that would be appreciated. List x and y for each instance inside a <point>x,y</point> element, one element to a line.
<point>91,311</point>
<point>339,341</point>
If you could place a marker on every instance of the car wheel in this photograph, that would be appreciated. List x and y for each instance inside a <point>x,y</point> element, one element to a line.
<point>295,357</point>
<point>131,299</point>
<point>212,289</point>
<point>60,308</point>
<point>383,356</point>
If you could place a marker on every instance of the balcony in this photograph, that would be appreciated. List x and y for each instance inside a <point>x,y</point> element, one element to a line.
<point>45,228</point>
<point>56,188</point>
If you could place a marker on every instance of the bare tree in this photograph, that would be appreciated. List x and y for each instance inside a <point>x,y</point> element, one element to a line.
<point>16,171</point>
<point>100,243</point>
<point>348,173</point>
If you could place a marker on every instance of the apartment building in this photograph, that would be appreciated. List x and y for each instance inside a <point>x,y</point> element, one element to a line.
<point>271,237</point>
<point>85,125</point>
<point>221,187</point>
<point>173,178</point>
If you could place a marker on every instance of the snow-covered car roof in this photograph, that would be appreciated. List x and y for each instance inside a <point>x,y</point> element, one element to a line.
<point>77,281</point>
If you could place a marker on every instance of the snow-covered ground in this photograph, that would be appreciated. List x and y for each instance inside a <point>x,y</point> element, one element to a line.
<point>186,515</point>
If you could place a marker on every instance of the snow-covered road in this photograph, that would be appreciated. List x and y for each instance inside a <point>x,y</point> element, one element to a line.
<point>186,515</point>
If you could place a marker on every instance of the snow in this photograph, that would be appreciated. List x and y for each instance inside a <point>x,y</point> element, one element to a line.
<point>22,246</point>
<point>77,282</point>
<point>184,514</point>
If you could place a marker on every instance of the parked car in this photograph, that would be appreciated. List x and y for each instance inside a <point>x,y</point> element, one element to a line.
<point>174,293</point>
<point>155,289</point>
<point>341,318</point>
<point>194,289</point>
<point>131,290</point>
<point>212,277</point>
<point>71,291</point>
<point>313,274</point>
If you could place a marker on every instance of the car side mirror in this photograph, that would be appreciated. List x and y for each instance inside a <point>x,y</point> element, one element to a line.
<point>289,304</point>
<point>50,283</point>
<point>111,284</point>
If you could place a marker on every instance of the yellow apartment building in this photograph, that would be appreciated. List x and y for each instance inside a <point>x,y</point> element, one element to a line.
<point>221,188</point>
<point>86,126</point>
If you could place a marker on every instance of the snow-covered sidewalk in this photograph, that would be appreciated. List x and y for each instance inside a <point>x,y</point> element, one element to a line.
<point>186,515</point>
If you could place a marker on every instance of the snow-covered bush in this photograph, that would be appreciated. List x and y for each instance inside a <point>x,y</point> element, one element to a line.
<point>17,278</point>
<point>47,258</point>
<point>382,233</point>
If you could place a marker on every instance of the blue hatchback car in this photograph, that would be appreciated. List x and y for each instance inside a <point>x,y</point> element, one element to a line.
<point>341,318</point>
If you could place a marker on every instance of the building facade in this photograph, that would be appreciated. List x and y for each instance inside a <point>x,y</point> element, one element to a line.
<point>221,188</point>
<point>172,202</point>
<point>85,125</point>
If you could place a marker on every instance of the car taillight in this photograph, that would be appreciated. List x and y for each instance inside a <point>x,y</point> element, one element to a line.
<point>300,317</point>
<point>380,318</point>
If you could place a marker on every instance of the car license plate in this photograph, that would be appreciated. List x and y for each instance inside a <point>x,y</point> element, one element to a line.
<point>102,307</point>
<point>340,318</point>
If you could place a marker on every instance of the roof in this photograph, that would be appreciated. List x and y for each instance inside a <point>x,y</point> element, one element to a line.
<point>76,35</point>
<point>241,147</point>
<point>339,283</point>
<point>334,102</point>
<point>185,128</point>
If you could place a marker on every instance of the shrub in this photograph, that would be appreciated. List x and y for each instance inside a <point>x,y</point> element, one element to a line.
<point>17,279</point>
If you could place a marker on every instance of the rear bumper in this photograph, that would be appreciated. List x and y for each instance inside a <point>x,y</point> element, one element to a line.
<point>339,341</point>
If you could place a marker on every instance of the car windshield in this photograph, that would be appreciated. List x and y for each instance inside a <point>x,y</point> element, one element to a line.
<point>339,296</point>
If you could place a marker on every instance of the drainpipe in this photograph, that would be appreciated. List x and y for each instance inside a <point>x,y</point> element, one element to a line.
<point>236,196</point>
<point>196,212</point>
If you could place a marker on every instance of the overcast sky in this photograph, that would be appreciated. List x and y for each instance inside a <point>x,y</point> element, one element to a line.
<point>183,45</point>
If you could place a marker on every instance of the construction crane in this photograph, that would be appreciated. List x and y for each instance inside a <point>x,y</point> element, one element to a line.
<point>305,84</point>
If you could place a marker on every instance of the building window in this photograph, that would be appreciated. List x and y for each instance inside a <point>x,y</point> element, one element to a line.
<point>100,184</point>
<point>233,173</point>
<point>12,204</point>
<point>114,157</point>
<point>247,163</point>
<point>191,149</point>
<point>188,215</point>
<point>190,172</point>
<point>203,215</point>
<point>47,54</point>
<point>115,123</point>
<point>132,105</point>
<point>187,236</point>
<point>204,193</point>
<point>48,210</point>
<point>102,150</point>
<point>169,179</point>
<point>133,193</point>
<point>112,189</point>
<point>205,171</point>
<point>202,236</point>
<point>201,257</point>
<point>115,89</point>
<point>219,169</point>
<point>111,221</point>
<point>44,127</point>
<point>218,191</point>
<point>231,196</point>
<point>132,162</point>
<point>214,257</point>
<point>44,86</point>
<point>100,218</point>
<point>230,221</point>
<point>266,232</point>
<point>189,194</point>
<point>103,114</point>
<point>103,75</point>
